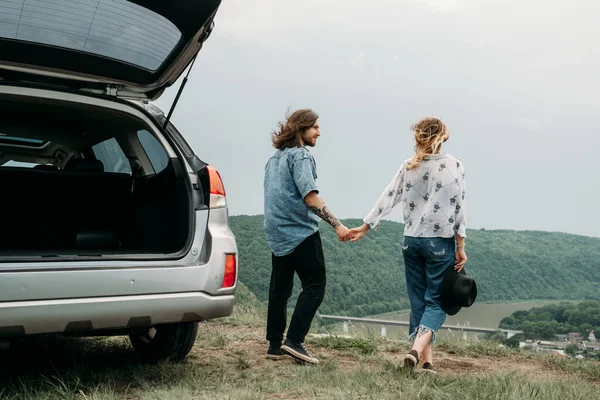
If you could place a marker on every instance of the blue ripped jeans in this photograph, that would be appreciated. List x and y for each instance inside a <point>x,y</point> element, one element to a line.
<point>426,259</point>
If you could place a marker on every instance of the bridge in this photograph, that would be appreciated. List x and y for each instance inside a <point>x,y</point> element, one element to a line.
<point>386,322</point>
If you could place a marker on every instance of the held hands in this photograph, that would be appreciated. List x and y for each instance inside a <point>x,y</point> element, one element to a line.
<point>351,235</point>
<point>343,233</point>
<point>359,232</point>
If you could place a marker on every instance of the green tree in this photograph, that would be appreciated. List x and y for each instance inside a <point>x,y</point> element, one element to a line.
<point>571,349</point>
<point>497,336</point>
<point>512,342</point>
<point>585,329</point>
<point>535,325</point>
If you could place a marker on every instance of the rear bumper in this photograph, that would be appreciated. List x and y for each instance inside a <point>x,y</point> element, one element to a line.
<point>58,297</point>
<point>105,313</point>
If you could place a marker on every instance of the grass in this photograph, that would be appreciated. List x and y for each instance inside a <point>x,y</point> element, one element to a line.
<point>353,345</point>
<point>589,370</point>
<point>372,381</point>
<point>248,311</point>
<point>246,316</point>
<point>227,363</point>
<point>475,349</point>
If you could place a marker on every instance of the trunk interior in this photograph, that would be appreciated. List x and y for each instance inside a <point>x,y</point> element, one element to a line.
<point>85,181</point>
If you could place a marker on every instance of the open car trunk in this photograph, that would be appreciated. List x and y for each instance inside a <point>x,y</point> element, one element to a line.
<point>127,48</point>
<point>80,180</point>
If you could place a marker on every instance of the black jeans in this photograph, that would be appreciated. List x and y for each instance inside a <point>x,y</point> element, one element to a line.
<point>308,262</point>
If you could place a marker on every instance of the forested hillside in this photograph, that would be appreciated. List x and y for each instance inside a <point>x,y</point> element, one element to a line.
<point>367,277</point>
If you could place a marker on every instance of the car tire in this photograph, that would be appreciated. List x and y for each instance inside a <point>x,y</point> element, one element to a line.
<point>169,342</point>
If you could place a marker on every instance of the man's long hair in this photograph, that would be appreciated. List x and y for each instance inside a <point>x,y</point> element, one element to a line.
<point>289,134</point>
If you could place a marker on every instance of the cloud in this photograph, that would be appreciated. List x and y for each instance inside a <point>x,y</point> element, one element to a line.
<point>440,5</point>
<point>529,123</point>
<point>357,59</point>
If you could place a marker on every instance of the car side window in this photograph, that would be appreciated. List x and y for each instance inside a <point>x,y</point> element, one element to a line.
<point>154,150</point>
<point>112,156</point>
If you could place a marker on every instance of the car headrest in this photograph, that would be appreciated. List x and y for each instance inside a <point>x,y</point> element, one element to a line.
<point>82,164</point>
<point>46,167</point>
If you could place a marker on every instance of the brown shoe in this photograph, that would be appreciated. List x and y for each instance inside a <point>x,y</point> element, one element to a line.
<point>411,359</point>
<point>427,368</point>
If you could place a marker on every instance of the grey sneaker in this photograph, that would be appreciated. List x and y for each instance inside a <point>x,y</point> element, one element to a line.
<point>274,352</point>
<point>411,359</point>
<point>298,351</point>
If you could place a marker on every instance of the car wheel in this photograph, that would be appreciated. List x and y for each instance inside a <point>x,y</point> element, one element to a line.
<point>170,342</point>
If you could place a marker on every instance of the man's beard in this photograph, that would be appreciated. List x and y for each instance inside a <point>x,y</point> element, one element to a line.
<point>309,143</point>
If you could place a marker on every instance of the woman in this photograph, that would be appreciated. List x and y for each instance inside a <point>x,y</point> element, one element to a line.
<point>431,188</point>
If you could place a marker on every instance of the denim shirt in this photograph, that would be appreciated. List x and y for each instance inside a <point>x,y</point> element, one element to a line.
<point>290,175</point>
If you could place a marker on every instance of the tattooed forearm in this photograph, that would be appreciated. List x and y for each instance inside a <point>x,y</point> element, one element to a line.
<point>326,215</point>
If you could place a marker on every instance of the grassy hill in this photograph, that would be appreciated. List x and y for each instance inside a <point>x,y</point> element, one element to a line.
<point>227,362</point>
<point>367,277</point>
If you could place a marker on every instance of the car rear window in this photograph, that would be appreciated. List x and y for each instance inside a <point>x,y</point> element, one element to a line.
<point>116,29</point>
<point>19,141</point>
<point>112,156</point>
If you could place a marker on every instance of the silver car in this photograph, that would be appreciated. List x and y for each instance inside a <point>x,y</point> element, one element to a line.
<point>110,224</point>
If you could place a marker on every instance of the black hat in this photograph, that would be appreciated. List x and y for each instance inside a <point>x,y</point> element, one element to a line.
<point>458,290</point>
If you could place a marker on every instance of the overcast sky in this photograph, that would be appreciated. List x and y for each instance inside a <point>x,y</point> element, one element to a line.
<point>516,81</point>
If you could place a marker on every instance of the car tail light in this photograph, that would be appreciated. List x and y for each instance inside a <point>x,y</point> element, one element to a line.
<point>230,271</point>
<point>217,190</point>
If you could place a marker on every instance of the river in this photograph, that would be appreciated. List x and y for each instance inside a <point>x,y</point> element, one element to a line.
<point>483,315</point>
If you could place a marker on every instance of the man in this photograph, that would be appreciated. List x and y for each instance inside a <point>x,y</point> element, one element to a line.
<point>292,211</point>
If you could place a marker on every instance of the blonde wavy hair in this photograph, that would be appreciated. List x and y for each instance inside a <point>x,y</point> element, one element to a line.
<point>430,133</point>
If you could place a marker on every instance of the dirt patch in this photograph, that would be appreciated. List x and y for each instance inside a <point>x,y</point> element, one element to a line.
<point>455,365</point>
